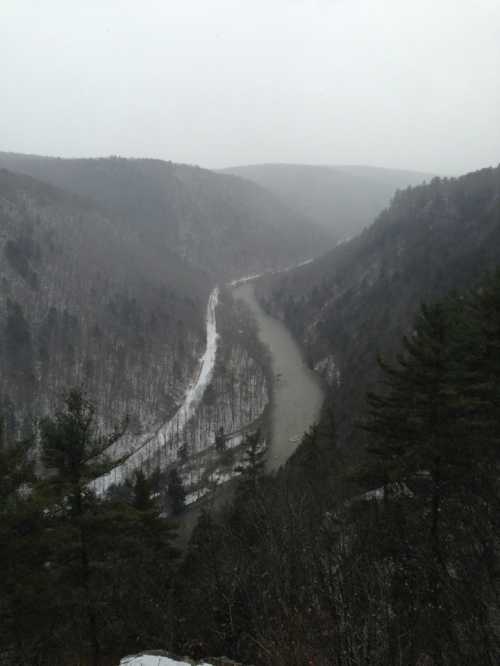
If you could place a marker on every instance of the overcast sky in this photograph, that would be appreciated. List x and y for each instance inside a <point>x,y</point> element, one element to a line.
<point>224,82</point>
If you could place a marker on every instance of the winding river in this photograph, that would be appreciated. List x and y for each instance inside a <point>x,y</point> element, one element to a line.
<point>297,397</point>
<point>297,394</point>
<point>297,400</point>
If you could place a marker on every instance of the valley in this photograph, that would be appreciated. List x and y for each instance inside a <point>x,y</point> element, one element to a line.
<point>250,333</point>
<point>249,474</point>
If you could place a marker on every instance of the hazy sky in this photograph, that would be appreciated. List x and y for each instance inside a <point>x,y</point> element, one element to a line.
<point>395,83</point>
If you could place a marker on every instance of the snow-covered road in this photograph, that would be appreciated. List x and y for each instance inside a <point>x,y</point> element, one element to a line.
<point>158,444</point>
<point>255,276</point>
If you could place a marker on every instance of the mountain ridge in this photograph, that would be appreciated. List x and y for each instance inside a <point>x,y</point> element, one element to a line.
<point>212,221</point>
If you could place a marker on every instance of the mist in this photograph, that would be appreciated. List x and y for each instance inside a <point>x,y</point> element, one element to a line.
<point>225,82</point>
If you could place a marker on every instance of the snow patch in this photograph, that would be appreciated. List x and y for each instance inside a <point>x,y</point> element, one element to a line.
<point>246,278</point>
<point>328,369</point>
<point>249,278</point>
<point>344,240</point>
<point>396,490</point>
<point>155,660</point>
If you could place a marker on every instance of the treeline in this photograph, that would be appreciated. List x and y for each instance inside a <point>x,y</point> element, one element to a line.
<point>390,561</point>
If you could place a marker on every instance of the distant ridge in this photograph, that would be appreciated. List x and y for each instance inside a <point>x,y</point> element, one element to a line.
<point>342,199</point>
<point>212,221</point>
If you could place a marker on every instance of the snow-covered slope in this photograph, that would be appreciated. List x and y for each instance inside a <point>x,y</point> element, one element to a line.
<point>160,446</point>
<point>85,302</point>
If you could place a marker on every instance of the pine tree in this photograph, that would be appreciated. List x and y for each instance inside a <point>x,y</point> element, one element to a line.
<point>72,452</point>
<point>253,465</point>
<point>220,442</point>
<point>142,570</point>
<point>85,579</point>
<point>176,494</point>
<point>142,500</point>
<point>426,432</point>
<point>23,588</point>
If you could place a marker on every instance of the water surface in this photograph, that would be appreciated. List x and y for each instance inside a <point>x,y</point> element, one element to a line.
<point>298,395</point>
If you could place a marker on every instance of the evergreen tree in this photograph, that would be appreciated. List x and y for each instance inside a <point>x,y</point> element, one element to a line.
<point>85,579</point>
<point>253,464</point>
<point>427,432</point>
<point>24,592</point>
<point>142,500</point>
<point>142,569</point>
<point>220,442</point>
<point>176,495</point>
<point>72,452</point>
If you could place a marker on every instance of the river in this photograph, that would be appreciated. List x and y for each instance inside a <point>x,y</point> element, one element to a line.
<point>297,392</point>
<point>297,399</point>
<point>297,396</point>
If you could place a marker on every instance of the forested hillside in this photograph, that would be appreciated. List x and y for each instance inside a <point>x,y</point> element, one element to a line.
<point>357,300</point>
<point>340,199</point>
<point>212,221</point>
<point>85,301</point>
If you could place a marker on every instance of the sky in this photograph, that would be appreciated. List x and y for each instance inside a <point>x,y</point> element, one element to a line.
<point>394,83</point>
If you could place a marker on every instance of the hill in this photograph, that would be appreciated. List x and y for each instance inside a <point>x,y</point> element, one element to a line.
<point>215,222</point>
<point>355,301</point>
<point>83,301</point>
